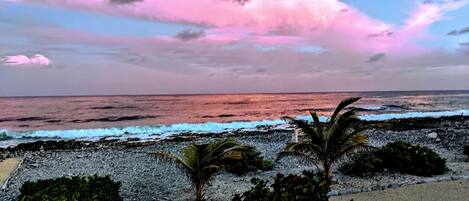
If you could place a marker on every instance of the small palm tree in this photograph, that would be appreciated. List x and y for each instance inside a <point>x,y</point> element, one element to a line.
<point>329,142</point>
<point>200,162</point>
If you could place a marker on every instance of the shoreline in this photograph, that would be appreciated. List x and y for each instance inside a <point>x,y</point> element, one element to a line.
<point>162,132</point>
<point>146,178</point>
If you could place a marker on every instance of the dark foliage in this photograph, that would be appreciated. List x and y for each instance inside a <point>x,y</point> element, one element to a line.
<point>309,187</point>
<point>200,162</point>
<point>466,150</point>
<point>252,162</point>
<point>327,143</point>
<point>412,159</point>
<point>363,164</point>
<point>94,188</point>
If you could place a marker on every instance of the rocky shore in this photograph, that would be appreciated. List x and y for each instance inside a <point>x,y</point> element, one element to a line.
<point>146,178</point>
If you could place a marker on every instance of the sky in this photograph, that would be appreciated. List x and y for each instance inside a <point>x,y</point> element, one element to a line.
<point>107,47</point>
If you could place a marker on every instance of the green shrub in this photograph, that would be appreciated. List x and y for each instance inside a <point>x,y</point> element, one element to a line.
<point>412,159</point>
<point>253,161</point>
<point>364,163</point>
<point>309,187</point>
<point>92,188</point>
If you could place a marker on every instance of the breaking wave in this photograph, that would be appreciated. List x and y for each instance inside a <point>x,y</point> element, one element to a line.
<point>162,131</point>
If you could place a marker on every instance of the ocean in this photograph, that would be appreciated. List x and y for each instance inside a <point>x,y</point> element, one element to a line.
<point>93,117</point>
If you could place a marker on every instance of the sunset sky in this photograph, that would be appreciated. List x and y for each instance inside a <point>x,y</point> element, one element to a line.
<point>93,47</point>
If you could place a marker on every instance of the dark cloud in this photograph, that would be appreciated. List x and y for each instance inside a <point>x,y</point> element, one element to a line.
<point>428,2</point>
<point>344,10</point>
<point>124,1</point>
<point>435,1</point>
<point>242,2</point>
<point>386,32</point>
<point>261,70</point>
<point>190,34</point>
<point>459,32</point>
<point>236,70</point>
<point>376,57</point>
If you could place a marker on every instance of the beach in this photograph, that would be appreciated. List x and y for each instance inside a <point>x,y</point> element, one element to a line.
<point>453,190</point>
<point>234,100</point>
<point>146,178</point>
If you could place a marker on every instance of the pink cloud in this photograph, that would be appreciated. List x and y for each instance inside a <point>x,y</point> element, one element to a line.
<point>19,60</point>
<point>426,14</point>
<point>331,24</point>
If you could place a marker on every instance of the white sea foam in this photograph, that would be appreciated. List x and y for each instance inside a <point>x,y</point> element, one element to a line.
<point>373,107</point>
<point>157,131</point>
<point>381,117</point>
<point>162,131</point>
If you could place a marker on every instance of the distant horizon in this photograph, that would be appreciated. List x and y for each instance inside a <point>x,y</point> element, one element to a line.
<point>241,93</point>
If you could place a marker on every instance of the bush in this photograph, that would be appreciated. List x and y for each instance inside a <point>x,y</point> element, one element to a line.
<point>466,150</point>
<point>412,159</point>
<point>364,163</point>
<point>309,187</point>
<point>253,161</point>
<point>92,188</point>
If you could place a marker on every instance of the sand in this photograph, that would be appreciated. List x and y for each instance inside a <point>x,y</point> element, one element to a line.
<point>6,167</point>
<point>453,190</point>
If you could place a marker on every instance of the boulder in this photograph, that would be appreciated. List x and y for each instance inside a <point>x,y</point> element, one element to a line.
<point>432,135</point>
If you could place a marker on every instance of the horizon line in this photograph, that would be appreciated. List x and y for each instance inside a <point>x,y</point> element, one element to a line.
<point>228,93</point>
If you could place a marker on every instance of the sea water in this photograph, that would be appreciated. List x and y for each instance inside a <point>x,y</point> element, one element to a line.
<point>94,117</point>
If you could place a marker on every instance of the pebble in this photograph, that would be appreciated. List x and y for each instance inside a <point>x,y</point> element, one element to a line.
<point>146,178</point>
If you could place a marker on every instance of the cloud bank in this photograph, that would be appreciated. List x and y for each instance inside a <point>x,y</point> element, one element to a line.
<point>253,46</point>
<point>324,23</point>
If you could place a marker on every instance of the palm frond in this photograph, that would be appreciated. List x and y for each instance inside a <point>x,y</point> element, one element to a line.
<point>304,147</point>
<point>316,122</point>
<point>302,157</point>
<point>343,104</point>
<point>330,142</point>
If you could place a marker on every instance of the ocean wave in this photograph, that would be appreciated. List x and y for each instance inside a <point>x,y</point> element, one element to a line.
<point>157,131</point>
<point>113,107</point>
<point>114,118</point>
<point>162,131</point>
<point>25,119</point>
<point>219,116</point>
<point>391,106</point>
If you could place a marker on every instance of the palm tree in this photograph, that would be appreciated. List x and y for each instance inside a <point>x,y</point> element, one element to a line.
<point>329,142</point>
<point>200,162</point>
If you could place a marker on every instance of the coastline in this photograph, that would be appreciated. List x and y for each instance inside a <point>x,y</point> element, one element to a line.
<point>146,178</point>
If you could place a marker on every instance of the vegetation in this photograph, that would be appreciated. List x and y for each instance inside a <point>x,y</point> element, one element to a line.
<point>253,160</point>
<point>201,161</point>
<point>309,187</point>
<point>412,159</point>
<point>466,151</point>
<point>363,164</point>
<point>330,142</point>
<point>397,156</point>
<point>92,188</point>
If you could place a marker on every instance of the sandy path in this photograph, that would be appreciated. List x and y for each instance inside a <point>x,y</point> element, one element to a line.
<point>6,167</point>
<point>453,190</point>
